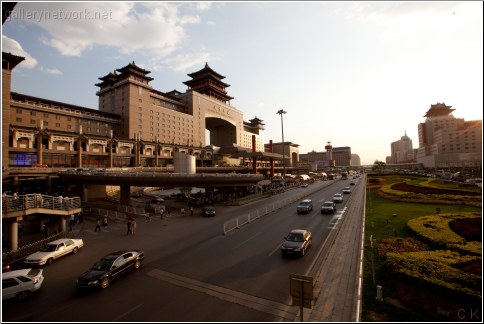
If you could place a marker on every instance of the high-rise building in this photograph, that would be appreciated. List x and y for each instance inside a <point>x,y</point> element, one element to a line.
<point>446,141</point>
<point>402,151</point>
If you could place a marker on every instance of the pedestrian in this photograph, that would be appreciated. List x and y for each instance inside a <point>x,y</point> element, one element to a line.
<point>147,217</point>
<point>168,210</point>
<point>130,225</point>
<point>182,211</point>
<point>191,210</point>
<point>133,226</point>
<point>105,221</point>
<point>98,225</point>
<point>161,213</point>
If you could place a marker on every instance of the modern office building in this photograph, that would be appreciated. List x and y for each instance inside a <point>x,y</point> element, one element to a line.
<point>449,142</point>
<point>402,151</point>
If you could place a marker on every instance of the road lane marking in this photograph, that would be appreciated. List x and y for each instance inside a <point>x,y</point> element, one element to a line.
<point>250,238</point>
<point>285,312</point>
<point>117,319</point>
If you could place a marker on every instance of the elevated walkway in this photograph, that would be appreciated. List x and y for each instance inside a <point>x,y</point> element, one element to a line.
<point>16,207</point>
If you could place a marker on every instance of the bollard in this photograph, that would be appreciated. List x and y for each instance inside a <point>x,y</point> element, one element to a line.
<point>379,294</point>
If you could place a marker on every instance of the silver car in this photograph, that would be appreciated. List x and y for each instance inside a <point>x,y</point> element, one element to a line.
<point>296,242</point>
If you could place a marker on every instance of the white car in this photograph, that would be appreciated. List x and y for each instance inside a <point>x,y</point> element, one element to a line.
<point>21,283</point>
<point>346,190</point>
<point>338,198</point>
<point>54,250</point>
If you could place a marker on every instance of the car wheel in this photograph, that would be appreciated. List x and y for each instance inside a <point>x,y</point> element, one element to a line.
<point>75,250</point>
<point>23,295</point>
<point>137,264</point>
<point>105,283</point>
<point>49,261</point>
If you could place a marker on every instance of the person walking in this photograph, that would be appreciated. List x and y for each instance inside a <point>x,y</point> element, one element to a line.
<point>162,210</point>
<point>182,211</point>
<point>45,230</point>
<point>105,221</point>
<point>191,210</point>
<point>130,226</point>
<point>98,225</point>
<point>133,227</point>
<point>147,217</point>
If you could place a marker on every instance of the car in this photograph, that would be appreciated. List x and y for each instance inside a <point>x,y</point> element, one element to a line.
<point>5,267</point>
<point>21,283</point>
<point>338,198</point>
<point>346,190</point>
<point>54,250</point>
<point>328,207</point>
<point>304,185</point>
<point>110,267</point>
<point>305,206</point>
<point>296,242</point>
<point>208,211</point>
<point>352,183</point>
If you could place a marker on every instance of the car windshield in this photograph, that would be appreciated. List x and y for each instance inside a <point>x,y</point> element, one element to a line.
<point>328,204</point>
<point>49,248</point>
<point>295,237</point>
<point>102,265</point>
<point>304,203</point>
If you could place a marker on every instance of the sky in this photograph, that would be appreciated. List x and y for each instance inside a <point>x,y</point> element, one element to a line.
<point>358,74</point>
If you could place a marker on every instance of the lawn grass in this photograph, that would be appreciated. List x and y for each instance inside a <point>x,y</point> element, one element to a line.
<point>385,219</point>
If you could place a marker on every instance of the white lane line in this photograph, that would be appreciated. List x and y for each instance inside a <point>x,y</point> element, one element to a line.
<point>242,243</point>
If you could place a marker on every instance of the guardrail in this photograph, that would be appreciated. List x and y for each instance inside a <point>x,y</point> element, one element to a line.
<point>30,201</point>
<point>240,221</point>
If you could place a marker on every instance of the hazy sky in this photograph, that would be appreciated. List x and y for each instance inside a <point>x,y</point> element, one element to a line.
<point>356,74</point>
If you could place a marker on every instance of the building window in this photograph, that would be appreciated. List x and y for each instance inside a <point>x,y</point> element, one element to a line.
<point>46,115</point>
<point>19,111</point>
<point>69,126</point>
<point>32,113</point>
<point>18,119</point>
<point>32,121</point>
<point>46,123</point>
<point>57,124</point>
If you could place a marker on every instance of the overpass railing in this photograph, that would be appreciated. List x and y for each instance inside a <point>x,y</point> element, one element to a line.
<point>32,201</point>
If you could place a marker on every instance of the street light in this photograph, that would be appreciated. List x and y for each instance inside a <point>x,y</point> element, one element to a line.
<point>281,112</point>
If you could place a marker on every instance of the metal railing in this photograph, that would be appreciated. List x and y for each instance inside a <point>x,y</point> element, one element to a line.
<point>31,201</point>
<point>236,223</point>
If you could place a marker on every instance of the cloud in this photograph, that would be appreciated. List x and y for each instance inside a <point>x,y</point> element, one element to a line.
<point>12,46</point>
<point>154,29</point>
<point>183,62</point>
<point>53,71</point>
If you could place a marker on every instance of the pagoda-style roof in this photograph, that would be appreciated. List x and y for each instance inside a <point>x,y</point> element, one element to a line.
<point>110,78</point>
<point>439,109</point>
<point>207,81</point>
<point>10,61</point>
<point>132,68</point>
<point>207,70</point>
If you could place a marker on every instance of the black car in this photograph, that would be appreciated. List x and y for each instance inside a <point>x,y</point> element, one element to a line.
<point>110,267</point>
<point>208,211</point>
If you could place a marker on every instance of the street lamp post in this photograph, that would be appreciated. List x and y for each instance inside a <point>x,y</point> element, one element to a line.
<point>281,112</point>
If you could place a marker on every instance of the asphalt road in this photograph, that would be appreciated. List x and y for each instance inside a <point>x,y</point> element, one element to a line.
<point>191,271</point>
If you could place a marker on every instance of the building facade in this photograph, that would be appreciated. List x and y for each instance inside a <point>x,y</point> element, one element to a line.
<point>449,142</point>
<point>402,151</point>
<point>135,124</point>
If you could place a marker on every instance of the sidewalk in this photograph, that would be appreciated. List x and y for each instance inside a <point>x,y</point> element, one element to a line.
<point>336,288</point>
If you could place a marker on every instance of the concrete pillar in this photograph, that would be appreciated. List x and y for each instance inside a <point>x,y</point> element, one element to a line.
<point>254,159</point>
<point>39,148</point>
<point>61,225</point>
<point>271,149</point>
<point>125,195</point>
<point>110,165</point>
<point>13,234</point>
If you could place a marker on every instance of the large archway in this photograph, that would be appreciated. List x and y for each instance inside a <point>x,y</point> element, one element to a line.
<point>222,132</point>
